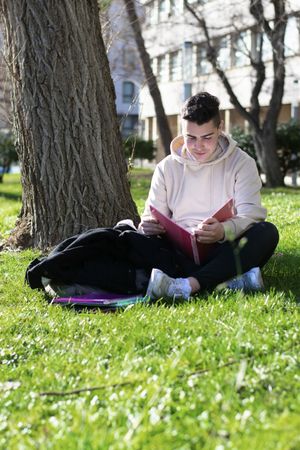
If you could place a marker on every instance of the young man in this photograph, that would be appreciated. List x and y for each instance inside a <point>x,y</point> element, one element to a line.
<point>204,170</point>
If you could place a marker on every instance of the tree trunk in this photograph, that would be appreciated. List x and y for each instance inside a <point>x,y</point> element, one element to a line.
<point>73,169</point>
<point>265,139</point>
<point>162,120</point>
<point>268,160</point>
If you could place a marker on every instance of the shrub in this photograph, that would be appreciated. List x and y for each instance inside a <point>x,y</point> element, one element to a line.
<point>137,148</point>
<point>244,140</point>
<point>288,144</point>
<point>8,153</point>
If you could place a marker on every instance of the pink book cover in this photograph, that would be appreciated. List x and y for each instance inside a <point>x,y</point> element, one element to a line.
<point>185,240</point>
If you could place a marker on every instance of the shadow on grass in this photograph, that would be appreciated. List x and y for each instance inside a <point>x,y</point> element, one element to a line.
<point>10,196</point>
<point>291,190</point>
<point>284,275</point>
<point>281,275</point>
<point>221,296</point>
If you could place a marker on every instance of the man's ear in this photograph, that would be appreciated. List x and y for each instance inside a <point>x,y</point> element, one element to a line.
<point>221,126</point>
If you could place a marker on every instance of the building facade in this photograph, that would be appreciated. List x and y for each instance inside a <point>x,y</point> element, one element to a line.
<point>178,50</point>
<point>124,64</point>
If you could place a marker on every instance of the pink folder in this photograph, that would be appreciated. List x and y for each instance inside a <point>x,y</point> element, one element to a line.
<point>187,241</point>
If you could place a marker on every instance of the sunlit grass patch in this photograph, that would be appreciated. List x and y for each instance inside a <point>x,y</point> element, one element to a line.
<point>218,372</point>
<point>10,203</point>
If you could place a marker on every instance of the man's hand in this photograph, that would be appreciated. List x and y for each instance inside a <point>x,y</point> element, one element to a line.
<point>150,226</point>
<point>210,231</point>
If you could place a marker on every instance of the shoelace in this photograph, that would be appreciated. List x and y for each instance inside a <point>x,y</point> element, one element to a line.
<point>179,288</point>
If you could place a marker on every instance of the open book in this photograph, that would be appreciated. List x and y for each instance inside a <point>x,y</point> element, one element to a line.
<point>187,241</point>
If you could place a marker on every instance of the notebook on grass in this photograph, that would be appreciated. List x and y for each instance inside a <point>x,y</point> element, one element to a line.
<point>187,241</point>
<point>105,301</point>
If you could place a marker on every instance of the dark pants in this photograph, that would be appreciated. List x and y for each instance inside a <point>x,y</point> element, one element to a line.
<point>128,271</point>
<point>235,257</point>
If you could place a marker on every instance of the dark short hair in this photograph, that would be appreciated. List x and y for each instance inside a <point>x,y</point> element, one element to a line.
<point>201,108</point>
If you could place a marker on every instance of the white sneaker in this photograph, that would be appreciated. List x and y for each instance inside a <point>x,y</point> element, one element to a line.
<point>161,285</point>
<point>253,280</point>
<point>249,281</point>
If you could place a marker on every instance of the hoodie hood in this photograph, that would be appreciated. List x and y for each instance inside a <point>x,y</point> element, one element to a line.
<point>225,147</point>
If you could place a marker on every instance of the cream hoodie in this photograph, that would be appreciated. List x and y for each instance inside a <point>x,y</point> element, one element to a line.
<point>190,191</point>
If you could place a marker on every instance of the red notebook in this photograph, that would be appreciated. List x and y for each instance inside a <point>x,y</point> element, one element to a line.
<point>187,241</point>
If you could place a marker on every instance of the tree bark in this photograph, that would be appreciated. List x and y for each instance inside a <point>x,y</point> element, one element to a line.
<point>265,139</point>
<point>162,120</point>
<point>262,140</point>
<point>73,168</point>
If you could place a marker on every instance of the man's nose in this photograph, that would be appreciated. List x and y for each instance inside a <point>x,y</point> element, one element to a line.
<point>198,144</point>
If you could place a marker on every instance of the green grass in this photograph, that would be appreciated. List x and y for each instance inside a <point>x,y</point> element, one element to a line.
<point>140,182</point>
<point>219,372</point>
<point>10,203</point>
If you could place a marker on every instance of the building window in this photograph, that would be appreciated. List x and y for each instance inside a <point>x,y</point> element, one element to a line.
<point>242,49</point>
<point>162,10</point>
<point>151,13</point>
<point>263,48</point>
<point>173,9</point>
<point>224,52</point>
<point>187,90</point>
<point>176,7</point>
<point>162,69</point>
<point>267,48</point>
<point>187,61</point>
<point>129,58</point>
<point>129,125</point>
<point>292,36</point>
<point>203,66</point>
<point>175,66</point>
<point>128,92</point>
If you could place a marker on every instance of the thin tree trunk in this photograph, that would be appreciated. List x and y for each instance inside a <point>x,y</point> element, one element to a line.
<point>162,120</point>
<point>263,140</point>
<point>73,169</point>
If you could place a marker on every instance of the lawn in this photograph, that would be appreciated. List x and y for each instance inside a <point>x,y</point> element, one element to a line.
<point>218,372</point>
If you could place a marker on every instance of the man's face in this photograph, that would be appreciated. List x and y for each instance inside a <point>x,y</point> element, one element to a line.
<point>201,140</point>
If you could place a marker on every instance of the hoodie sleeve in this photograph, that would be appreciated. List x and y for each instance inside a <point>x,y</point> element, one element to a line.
<point>247,200</point>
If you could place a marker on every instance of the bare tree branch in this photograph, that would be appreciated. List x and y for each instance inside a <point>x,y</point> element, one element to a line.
<point>162,121</point>
<point>212,56</point>
<point>264,134</point>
